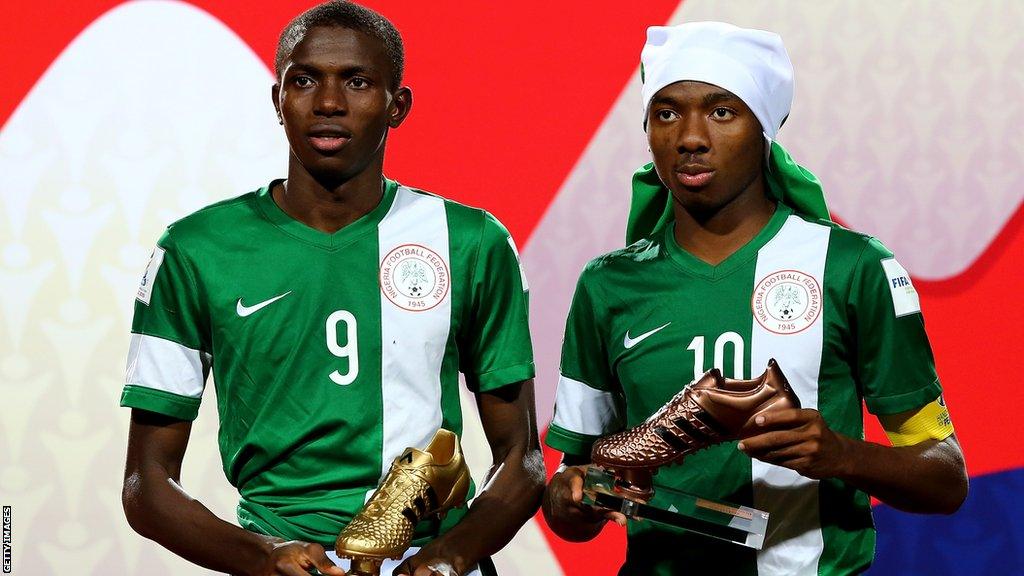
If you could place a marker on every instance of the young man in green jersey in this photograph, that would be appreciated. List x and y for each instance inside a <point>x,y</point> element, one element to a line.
<point>736,262</point>
<point>336,309</point>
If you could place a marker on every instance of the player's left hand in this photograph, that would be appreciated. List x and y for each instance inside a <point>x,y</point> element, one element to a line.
<point>800,440</point>
<point>433,560</point>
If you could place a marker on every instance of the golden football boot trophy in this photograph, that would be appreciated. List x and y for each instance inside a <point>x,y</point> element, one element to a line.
<point>421,483</point>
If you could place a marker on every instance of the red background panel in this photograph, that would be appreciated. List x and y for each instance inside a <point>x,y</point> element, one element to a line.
<point>505,100</point>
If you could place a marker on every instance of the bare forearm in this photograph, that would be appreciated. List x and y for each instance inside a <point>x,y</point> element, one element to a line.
<point>509,501</point>
<point>929,477</point>
<point>513,489</point>
<point>157,508</point>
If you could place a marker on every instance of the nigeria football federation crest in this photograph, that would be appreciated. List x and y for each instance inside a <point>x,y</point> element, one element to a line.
<point>414,277</point>
<point>787,301</point>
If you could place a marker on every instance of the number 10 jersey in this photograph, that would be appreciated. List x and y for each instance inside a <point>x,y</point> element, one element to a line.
<point>331,353</point>
<point>833,307</point>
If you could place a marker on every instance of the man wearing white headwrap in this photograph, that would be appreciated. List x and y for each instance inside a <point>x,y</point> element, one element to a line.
<point>733,261</point>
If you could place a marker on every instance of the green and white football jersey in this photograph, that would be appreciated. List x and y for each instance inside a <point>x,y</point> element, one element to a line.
<point>834,308</point>
<point>331,353</point>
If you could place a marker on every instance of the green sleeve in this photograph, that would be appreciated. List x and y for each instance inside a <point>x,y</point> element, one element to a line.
<point>584,347</point>
<point>588,403</point>
<point>497,350</point>
<point>168,358</point>
<point>894,362</point>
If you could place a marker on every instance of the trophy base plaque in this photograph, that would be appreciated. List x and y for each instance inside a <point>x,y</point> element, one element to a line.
<point>365,566</point>
<point>737,524</point>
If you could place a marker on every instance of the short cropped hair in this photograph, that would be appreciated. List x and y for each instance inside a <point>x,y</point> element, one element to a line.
<point>344,14</point>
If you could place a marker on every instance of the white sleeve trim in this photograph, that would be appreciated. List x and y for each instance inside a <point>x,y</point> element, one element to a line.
<point>585,410</point>
<point>164,365</point>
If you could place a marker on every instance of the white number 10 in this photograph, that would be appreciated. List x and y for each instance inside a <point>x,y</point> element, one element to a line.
<point>351,348</point>
<point>697,345</point>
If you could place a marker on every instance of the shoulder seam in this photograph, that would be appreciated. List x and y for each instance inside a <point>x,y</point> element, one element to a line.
<point>446,199</point>
<point>188,264</point>
<point>857,269</point>
<point>244,198</point>
<point>479,246</point>
<point>605,307</point>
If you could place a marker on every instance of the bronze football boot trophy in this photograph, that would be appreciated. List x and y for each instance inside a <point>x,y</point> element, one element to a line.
<point>708,411</point>
<point>420,484</point>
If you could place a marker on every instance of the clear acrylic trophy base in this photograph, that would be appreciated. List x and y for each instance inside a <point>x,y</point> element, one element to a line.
<point>737,524</point>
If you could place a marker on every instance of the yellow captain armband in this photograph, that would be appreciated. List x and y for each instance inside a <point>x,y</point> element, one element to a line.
<point>929,422</point>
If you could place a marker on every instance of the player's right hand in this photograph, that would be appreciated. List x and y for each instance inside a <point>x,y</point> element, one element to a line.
<point>296,558</point>
<point>565,511</point>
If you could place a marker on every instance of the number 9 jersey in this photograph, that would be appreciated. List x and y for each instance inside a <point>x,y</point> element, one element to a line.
<point>331,353</point>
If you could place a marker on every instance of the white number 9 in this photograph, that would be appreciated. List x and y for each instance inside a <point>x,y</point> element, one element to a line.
<point>350,350</point>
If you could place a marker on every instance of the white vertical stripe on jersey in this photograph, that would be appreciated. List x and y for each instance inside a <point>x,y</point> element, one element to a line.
<point>585,410</point>
<point>786,495</point>
<point>412,343</point>
<point>164,365</point>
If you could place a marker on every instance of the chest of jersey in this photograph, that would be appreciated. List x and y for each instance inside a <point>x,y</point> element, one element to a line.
<point>288,303</point>
<point>335,337</point>
<point>734,318</point>
<point>321,317</point>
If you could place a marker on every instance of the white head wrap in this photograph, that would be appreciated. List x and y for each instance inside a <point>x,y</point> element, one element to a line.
<point>752,64</point>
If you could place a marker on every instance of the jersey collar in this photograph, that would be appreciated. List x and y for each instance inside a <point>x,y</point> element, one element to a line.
<point>368,222</point>
<point>737,259</point>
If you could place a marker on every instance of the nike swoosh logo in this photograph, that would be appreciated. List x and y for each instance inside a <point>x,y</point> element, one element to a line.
<point>244,310</point>
<point>630,342</point>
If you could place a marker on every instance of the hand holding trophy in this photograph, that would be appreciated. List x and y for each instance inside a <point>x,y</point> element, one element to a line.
<point>708,411</point>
